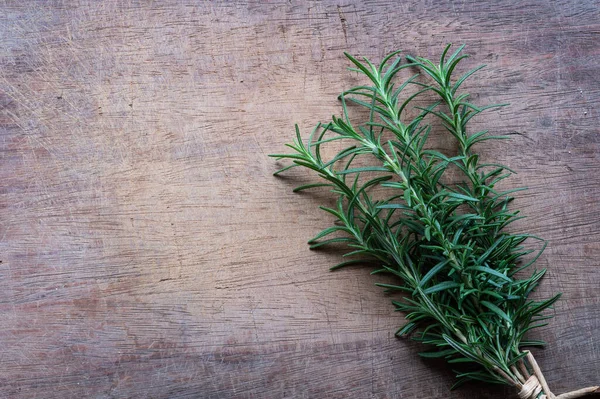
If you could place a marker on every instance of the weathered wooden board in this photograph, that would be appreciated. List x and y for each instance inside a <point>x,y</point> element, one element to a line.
<point>145,248</point>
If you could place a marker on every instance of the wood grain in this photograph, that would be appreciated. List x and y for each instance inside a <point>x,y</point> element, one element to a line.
<point>146,250</point>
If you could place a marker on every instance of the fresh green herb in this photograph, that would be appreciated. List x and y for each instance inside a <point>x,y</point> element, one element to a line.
<point>456,264</point>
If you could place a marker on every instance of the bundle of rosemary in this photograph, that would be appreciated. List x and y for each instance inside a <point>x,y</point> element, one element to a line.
<point>455,263</point>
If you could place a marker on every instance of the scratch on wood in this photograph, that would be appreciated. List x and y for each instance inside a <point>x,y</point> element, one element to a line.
<point>344,23</point>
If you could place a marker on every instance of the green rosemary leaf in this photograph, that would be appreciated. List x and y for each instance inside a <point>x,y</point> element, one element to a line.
<point>517,358</point>
<point>452,63</point>
<point>459,382</point>
<point>284,169</point>
<point>461,360</point>
<point>307,186</point>
<point>326,232</point>
<point>452,57</point>
<point>347,263</point>
<point>406,329</point>
<point>391,287</point>
<point>363,169</point>
<point>361,67</point>
<point>330,241</point>
<point>492,272</point>
<point>438,354</point>
<point>480,376</point>
<point>496,310</point>
<point>541,306</point>
<point>460,348</point>
<point>394,206</point>
<point>433,271</point>
<point>533,342</point>
<point>462,197</point>
<point>446,285</point>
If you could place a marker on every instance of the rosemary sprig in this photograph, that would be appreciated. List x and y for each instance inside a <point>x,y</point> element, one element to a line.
<point>447,244</point>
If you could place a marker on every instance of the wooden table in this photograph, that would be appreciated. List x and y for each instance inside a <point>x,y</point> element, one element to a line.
<point>146,251</point>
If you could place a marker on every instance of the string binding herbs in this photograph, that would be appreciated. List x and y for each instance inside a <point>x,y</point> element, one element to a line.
<point>447,245</point>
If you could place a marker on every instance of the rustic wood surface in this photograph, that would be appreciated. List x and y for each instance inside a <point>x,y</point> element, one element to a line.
<point>145,249</point>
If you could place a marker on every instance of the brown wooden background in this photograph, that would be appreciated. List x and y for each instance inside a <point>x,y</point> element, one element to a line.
<point>146,251</point>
